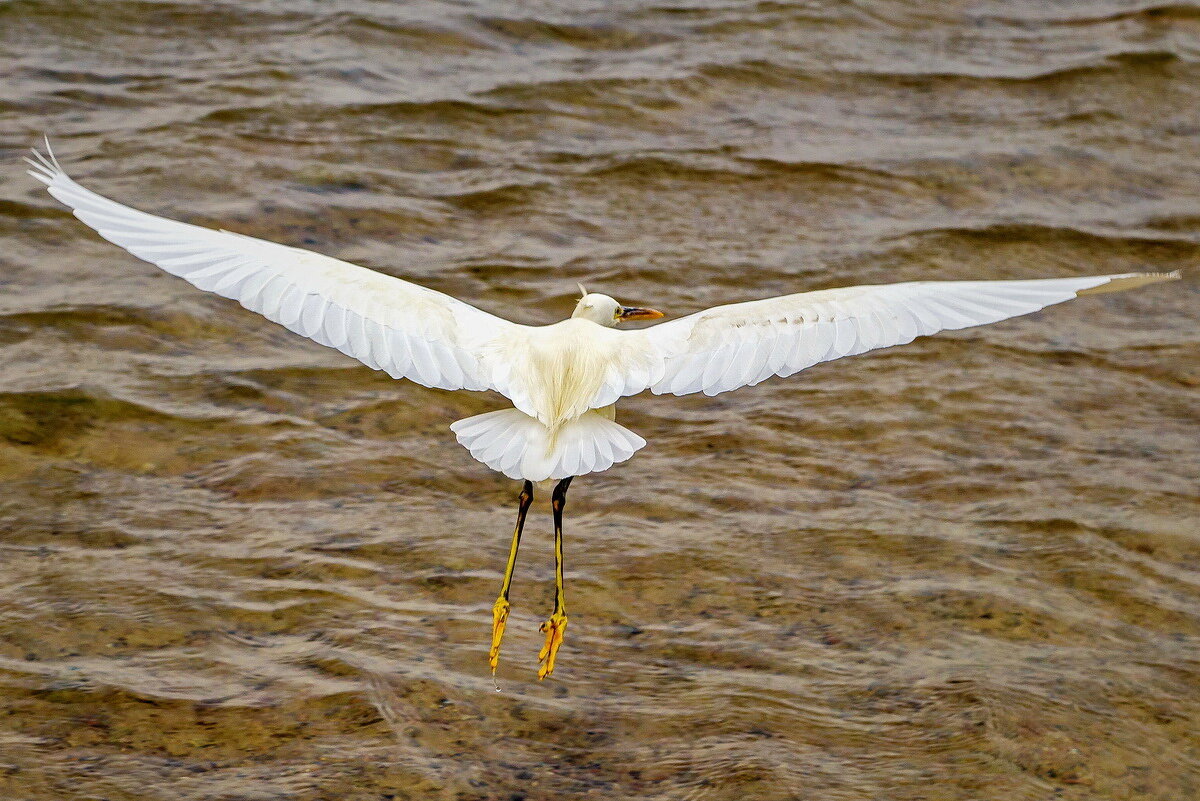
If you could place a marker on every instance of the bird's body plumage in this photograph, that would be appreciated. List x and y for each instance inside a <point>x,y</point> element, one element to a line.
<point>563,379</point>
<point>555,375</point>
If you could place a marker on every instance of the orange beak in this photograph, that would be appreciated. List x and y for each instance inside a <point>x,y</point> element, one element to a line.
<point>634,313</point>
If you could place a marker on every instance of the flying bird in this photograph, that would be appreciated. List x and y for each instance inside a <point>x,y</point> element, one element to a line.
<point>564,379</point>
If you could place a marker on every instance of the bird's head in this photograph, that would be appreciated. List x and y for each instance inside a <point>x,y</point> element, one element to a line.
<point>607,312</point>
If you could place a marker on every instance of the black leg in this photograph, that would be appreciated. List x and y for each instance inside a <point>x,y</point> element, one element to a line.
<point>500,610</point>
<point>556,626</point>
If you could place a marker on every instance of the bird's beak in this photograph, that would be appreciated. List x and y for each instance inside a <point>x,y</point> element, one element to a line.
<point>634,313</point>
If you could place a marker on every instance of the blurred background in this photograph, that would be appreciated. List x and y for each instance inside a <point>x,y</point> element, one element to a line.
<point>236,565</point>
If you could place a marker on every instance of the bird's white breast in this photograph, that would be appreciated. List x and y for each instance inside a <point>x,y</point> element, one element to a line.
<point>558,369</point>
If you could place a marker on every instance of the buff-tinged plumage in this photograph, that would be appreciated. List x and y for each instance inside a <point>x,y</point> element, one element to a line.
<point>563,379</point>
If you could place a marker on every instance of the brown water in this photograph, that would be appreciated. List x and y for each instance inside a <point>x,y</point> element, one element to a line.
<point>236,565</point>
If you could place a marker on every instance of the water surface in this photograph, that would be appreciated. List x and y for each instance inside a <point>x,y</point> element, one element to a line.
<point>236,565</point>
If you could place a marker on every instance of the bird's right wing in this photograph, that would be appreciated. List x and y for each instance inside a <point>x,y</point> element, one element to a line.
<point>386,323</point>
<point>727,347</point>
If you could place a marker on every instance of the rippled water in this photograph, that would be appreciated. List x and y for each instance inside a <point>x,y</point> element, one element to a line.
<point>236,565</point>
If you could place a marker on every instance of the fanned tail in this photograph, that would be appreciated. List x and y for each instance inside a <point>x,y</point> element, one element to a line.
<point>517,445</point>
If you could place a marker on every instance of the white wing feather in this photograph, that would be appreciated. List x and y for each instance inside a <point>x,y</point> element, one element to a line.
<point>727,347</point>
<point>554,373</point>
<point>384,322</point>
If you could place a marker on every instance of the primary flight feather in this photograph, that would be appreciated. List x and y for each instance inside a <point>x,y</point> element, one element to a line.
<point>563,379</point>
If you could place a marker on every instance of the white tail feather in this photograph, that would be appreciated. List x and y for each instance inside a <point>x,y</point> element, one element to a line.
<point>520,447</point>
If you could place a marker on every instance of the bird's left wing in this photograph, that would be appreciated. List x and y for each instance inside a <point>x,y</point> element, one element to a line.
<point>727,347</point>
<point>386,323</point>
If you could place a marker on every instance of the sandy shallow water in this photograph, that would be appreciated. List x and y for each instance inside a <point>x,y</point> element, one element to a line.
<point>237,565</point>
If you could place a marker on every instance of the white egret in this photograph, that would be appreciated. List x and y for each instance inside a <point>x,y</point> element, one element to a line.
<point>563,379</point>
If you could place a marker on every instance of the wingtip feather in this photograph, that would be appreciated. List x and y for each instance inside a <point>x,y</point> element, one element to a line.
<point>50,152</point>
<point>1120,283</point>
<point>45,166</point>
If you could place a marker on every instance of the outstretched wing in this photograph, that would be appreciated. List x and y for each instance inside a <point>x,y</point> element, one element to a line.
<point>386,323</point>
<point>727,347</point>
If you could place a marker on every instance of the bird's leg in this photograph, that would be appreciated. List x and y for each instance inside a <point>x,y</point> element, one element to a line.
<point>500,610</point>
<point>556,626</point>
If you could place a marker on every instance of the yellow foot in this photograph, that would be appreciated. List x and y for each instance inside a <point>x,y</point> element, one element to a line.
<point>554,628</point>
<point>499,618</point>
